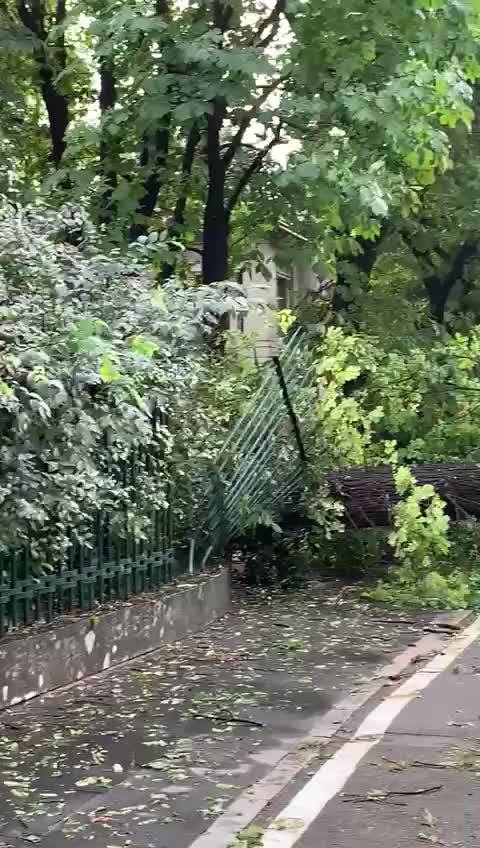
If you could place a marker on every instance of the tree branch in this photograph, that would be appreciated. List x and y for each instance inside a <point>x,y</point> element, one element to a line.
<point>107,99</point>
<point>363,263</point>
<point>439,289</point>
<point>177,224</point>
<point>237,139</point>
<point>273,20</point>
<point>154,154</point>
<point>252,169</point>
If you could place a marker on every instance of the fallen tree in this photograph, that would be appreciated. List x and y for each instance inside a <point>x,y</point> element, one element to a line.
<point>369,496</point>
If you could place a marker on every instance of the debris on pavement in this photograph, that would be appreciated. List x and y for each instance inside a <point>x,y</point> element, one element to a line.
<point>146,752</point>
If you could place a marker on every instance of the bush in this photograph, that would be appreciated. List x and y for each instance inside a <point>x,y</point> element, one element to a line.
<point>91,350</point>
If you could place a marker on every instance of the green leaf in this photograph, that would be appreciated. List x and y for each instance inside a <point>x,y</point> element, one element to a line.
<point>143,346</point>
<point>109,372</point>
<point>6,389</point>
<point>137,397</point>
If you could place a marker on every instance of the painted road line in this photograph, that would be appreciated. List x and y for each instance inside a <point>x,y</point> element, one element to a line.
<point>286,764</point>
<point>287,828</point>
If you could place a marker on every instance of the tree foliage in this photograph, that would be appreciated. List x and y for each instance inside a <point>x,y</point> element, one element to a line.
<point>413,404</point>
<point>171,116</point>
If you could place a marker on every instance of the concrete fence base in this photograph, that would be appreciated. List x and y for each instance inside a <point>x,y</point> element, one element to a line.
<point>69,649</point>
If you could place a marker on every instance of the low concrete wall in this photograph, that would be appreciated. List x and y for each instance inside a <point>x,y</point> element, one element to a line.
<point>65,651</point>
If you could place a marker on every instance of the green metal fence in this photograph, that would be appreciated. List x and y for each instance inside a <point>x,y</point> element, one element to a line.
<point>112,564</point>
<point>108,569</point>
<point>260,469</point>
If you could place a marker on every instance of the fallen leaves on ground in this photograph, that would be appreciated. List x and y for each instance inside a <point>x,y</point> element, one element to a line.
<point>190,720</point>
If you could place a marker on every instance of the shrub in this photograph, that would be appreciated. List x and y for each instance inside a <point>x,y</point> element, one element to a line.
<point>90,350</point>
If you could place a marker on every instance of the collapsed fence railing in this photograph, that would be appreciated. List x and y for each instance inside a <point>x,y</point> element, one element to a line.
<point>261,467</point>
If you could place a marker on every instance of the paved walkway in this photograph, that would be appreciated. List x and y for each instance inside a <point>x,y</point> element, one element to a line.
<point>408,774</point>
<point>152,752</point>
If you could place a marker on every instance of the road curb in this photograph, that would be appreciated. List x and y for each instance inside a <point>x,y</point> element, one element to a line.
<point>454,620</point>
<point>288,764</point>
<point>33,663</point>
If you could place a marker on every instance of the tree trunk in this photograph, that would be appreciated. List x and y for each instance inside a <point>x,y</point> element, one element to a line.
<point>215,222</point>
<point>439,290</point>
<point>215,243</point>
<point>154,156</point>
<point>155,145</point>
<point>56,104</point>
<point>369,495</point>
<point>57,108</point>
<point>107,99</point>
<point>177,224</point>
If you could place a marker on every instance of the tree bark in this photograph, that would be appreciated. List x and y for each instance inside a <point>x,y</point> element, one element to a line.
<point>107,99</point>
<point>56,104</point>
<point>369,495</point>
<point>439,289</point>
<point>215,221</point>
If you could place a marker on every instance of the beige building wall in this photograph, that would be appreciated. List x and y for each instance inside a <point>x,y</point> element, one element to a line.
<point>262,291</point>
<point>261,321</point>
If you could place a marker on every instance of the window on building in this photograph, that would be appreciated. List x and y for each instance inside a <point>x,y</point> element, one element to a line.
<point>237,321</point>
<point>284,290</point>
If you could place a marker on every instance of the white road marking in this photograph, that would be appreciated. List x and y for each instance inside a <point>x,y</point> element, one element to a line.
<point>287,828</point>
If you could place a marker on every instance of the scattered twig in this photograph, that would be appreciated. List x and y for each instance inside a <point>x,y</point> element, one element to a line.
<point>396,766</point>
<point>428,791</point>
<point>383,796</point>
<point>272,670</point>
<point>366,800</point>
<point>92,790</point>
<point>342,592</point>
<point>420,764</point>
<point>393,621</point>
<point>422,658</point>
<point>227,718</point>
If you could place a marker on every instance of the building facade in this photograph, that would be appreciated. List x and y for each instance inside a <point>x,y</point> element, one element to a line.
<point>268,291</point>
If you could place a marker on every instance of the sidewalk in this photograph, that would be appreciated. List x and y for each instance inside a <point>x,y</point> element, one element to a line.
<point>151,753</point>
<point>407,775</point>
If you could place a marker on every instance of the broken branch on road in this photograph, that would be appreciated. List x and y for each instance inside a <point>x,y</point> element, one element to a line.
<point>378,795</point>
<point>227,718</point>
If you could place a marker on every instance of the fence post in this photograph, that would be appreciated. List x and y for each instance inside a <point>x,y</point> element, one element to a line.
<point>290,409</point>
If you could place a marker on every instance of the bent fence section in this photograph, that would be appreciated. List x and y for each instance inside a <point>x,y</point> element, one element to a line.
<point>260,471</point>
